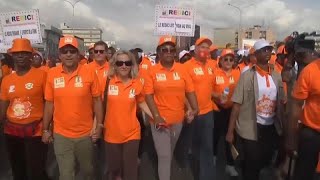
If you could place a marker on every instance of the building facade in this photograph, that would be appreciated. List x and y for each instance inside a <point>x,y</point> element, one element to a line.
<point>223,36</point>
<point>89,35</point>
<point>184,43</point>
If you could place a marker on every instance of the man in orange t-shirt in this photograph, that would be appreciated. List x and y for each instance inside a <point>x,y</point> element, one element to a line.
<point>72,97</point>
<point>201,70</point>
<point>306,92</point>
<point>100,64</point>
<point>22,104</point>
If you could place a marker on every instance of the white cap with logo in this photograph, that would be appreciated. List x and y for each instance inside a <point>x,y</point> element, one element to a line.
<point>261,44</point>
<point>182,53</point>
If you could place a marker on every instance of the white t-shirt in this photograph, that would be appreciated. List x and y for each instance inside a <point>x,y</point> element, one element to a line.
<point>267,100</point>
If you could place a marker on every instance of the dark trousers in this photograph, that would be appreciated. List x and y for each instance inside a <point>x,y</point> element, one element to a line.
<point>308,154</point>
<point>221,124</point>
<point>27,157</point>
<point>184,145</point>
<point>258,154</point>
<point>203,147</point>
<point>123,160</point>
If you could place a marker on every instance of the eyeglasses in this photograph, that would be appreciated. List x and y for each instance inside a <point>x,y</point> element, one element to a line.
<point>168,50</point>
<point>228,59</point>
<point>98,51</point>
<point>71,51</point>
<point>120,63</point>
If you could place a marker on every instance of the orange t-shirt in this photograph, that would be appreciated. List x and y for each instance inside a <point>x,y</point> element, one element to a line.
<point>169,88</point>
<point>215,63</point>
<point>202,77</point>
<point>72,97</point>
<point>44,68</point>
<point>241,66</point>
<point>273,59</point>
<point>307,88</point>
<point>6,70</point>
<point>278,68</point>
<point>26,96</point>
<point>83,61</point>
<point>121,122</point>
<point>221,81</point>
<point>143,68</point>
<point>102,73</point>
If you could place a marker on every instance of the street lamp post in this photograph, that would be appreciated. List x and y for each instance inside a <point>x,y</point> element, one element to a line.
<point>240,20</point>
<point>73,6</point>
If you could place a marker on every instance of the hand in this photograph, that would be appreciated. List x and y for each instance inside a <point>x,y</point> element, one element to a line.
<point>96,134</point>
<point>159,120</point>
<point>290,147</point>
<point>189,116</point>
<point>223,99</point>
<point>230,137</point>
<point>47,137</point>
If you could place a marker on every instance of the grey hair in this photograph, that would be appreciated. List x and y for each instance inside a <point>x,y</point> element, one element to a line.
<point>134,68</point>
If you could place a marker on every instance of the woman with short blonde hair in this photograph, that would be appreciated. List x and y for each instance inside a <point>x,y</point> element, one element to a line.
<point>122,128</point>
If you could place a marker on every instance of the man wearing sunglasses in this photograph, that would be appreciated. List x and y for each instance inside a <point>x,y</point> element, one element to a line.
<point>200,68</point>
<point>72,95</point>
<point>257,112</point>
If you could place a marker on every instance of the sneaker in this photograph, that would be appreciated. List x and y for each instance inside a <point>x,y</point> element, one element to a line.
<point>231,171</point>
<point>214,161</point>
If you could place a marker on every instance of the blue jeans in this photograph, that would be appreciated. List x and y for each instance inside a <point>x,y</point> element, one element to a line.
<point>203,147</point>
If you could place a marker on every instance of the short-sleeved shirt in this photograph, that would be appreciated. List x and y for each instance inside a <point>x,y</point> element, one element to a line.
<point>72,96</point>
<point>101,71</point>
<point>169,88</point>
<point>202,78</point>
<point>307,88</point>
<point>221,81</point>
<point>26,96</point>
<point>44,68</point>
<point>121,122</point>
<point>144,67</point>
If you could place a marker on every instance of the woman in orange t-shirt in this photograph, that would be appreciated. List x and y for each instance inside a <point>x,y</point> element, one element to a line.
<point>122,135</point>
<point>38,61</point>
<point>22,104</point>
<point>225,81</point>
<point>167,87</point>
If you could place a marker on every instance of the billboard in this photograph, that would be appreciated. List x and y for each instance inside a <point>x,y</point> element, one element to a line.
<point>175,21</point>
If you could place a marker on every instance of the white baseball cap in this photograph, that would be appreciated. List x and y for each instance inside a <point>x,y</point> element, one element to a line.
<point>182,53</point>
<point>192,48</point>
<point>261,44</point>
<point>246,53</point>
<point>240,52</point>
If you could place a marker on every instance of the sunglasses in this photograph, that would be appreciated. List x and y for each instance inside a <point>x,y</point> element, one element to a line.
<point>98,51</point>
<point>90,52</point>
<point>120,63</point>
<point>168,50</point>
<point>71,51</point>
<point>228,59</point>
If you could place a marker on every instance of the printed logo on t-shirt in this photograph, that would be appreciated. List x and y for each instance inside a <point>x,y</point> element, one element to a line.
<point>113,90</point>
<point>58,82</point>
<point>105,73</point>
<point>219,80</point>
<point>231,80</point>
<point>176,76</point>
<point>28,86</point>
<point>12,88</point>
<point>21,108</point>
<point>144,66</point>
<point>142,81</point>
<point>161,77</point>
<point>198,71</point>
<point>78,82</point>
<point>210,70</point>
<point>132,93</point>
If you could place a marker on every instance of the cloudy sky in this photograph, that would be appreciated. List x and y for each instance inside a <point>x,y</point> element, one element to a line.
<point>130,22</point>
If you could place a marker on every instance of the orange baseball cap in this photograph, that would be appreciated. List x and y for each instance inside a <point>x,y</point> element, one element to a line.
<point>282,50</point>
<point>91,46</point>
<point>202,40</point>
<point>227,52</point>
<point>68,40</point>
<point>213,47</point>
<point>166,39</point>
<point>21,44</point>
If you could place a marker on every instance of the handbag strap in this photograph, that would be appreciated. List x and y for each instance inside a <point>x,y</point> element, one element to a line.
<point>105,96</point>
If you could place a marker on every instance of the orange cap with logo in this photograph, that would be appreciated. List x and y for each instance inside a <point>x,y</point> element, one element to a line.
<point>227,52</point>
<point>91,46</point>
<point>166,39</point>
<point>213,47</point>
<point>21,44</point>
<point>282,50</point>
<point>68,40</point>
<point>202,40</point>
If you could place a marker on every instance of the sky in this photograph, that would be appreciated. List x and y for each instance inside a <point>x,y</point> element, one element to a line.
<point>131,22</point>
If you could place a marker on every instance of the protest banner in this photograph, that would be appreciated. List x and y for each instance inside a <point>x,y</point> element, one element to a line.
<point>21,24</point>
<point>175,21</point>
